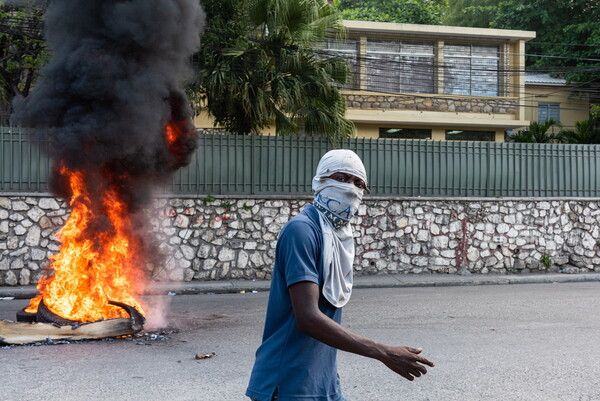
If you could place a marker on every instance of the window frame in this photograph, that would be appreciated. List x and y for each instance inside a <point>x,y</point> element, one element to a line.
<point>400,58</point>
<point>479,135</point>
<point>462,78</point>
<point>547,107</point>
<point>412,133</point>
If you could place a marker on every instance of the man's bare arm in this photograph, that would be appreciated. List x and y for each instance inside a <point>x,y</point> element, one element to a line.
<point>405,361</point>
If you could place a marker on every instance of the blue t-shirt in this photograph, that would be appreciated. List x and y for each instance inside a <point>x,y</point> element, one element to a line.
<point>288,363</point>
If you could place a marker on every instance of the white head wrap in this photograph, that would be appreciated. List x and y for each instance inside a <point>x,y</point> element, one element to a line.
<point>338,241</point>
<point>339,161</point>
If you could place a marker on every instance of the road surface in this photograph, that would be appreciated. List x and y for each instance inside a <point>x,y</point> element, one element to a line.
<point>500,342</point>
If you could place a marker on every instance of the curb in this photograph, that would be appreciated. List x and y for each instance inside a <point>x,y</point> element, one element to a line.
<point>376,281</point>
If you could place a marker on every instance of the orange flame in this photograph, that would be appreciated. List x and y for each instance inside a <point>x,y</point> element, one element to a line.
<point>180,135</point>
<point>173,132</point>
<point>90,270</point>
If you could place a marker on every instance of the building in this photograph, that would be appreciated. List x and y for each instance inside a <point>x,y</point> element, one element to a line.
<point>553,98</point>
<point>440,82</point>
<point>435,82</point>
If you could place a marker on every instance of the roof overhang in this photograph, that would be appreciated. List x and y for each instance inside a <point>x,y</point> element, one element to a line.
<point>438,31</point>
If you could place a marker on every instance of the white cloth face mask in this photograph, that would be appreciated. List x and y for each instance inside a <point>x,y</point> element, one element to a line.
<point>338,201</point>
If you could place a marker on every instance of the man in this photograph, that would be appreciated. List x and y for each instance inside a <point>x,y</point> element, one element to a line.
<point>312,281</point>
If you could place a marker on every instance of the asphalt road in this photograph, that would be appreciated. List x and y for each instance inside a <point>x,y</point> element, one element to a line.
<point>512,342</point>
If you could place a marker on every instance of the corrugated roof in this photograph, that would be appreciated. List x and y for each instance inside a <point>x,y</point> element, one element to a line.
<point>543,79</point>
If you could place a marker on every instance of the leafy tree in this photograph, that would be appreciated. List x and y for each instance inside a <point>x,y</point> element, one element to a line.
<point>584,132</point>
<point>22,52</point>
<point>537,133</point>
<point>595,114</point>
<point>402,11</point>
<point>258,67</point>
<point>472,13</point>
<point>568,35</point>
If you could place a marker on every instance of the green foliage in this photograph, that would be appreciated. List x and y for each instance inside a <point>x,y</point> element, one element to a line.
<point>567,42</point>
<point>258,67</point>
<point>537,133</point>
<point>208,199</point>
<point>546,260</point>
<point>226,205</point>
<point>473,13</point>
<point>595,114</point>
<point>585,132</point>
<point>569,31</point>
<point>22,52</point>
<point>402,11</point>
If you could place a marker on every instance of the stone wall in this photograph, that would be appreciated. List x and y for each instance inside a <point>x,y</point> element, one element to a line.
<point>228,238</point>
<point>391,102</point>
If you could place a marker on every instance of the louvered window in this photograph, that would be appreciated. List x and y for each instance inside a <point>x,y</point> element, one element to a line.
<point>548,111</point>
<point>347,49</point>
<point>471,70</point>
<point>394,66</point>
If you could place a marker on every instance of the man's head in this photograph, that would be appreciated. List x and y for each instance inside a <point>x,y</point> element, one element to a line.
<point>339,185</point>
<point>342,165</point>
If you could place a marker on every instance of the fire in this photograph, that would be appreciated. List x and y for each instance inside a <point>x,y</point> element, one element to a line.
<point>173,132</point>
<point>180,135</point>
<point>109,149</point>
<point>100,254</point>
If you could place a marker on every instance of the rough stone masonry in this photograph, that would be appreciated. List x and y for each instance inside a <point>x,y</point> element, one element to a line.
<point>232,238</point>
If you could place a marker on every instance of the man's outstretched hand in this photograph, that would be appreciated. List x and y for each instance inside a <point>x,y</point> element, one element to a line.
<point>406,361</point>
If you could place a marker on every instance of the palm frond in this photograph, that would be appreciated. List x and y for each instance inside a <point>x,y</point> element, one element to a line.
<point>584,133</point>
<point>537,133</point>
<point>260,68</point>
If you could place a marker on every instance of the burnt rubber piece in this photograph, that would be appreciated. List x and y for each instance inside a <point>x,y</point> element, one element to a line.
<point>137,319</point>
<point>26,317</point>
<point>45,315</point>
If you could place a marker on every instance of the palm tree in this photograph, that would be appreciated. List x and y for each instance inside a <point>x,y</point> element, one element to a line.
<point>259,67</point>
<point>537,133</point>
<point>584,133</point>
<point>22,51</point>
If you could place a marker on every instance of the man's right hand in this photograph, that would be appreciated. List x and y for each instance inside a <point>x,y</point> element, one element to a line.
<point>406,361</point>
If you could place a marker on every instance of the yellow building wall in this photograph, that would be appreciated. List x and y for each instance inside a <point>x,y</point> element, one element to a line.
<point>573,106</point>
<point>370,131</point>
<point>203,120</point>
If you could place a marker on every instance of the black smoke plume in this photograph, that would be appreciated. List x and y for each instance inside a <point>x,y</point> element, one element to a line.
<point>112,87</point>
<point>107,96</point>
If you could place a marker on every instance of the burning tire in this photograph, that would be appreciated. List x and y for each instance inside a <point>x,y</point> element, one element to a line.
<point>26,317</point>
<point>45,315</point>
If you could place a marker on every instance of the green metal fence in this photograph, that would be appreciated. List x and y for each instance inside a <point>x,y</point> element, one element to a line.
<point>23,166</point>
<point>227,164</point>
<point>255,165</point>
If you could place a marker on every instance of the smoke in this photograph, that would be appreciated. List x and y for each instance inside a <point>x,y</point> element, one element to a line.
<point>156,312</point>
<point>107,96</point>
<point>113,85</point>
